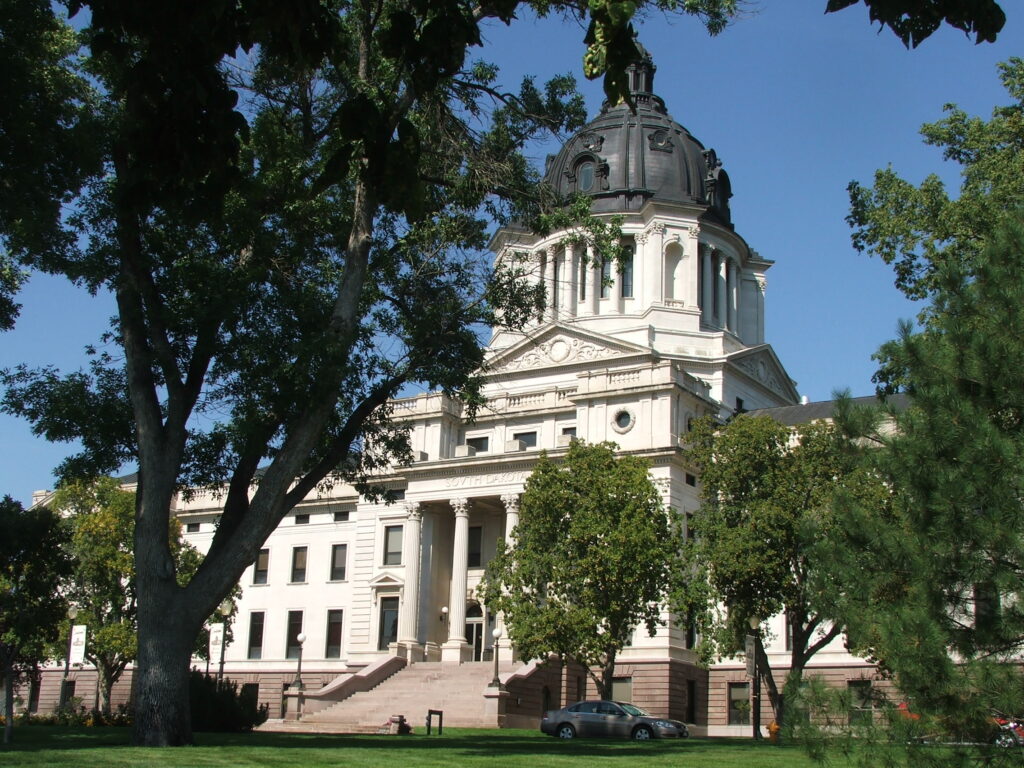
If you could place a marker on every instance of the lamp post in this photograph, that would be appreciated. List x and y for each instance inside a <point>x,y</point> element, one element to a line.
<point>72,614</point>
<point>496,634</point>
<point>297,684</point>
<point>224,609</point>
<point>755,720</point>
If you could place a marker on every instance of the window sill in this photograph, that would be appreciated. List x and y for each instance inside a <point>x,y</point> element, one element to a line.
<point>297,583</point>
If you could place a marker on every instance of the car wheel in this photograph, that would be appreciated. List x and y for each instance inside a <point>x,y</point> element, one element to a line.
<point>1005,740</point>
<point>642,733</point>
<point>566,731</point>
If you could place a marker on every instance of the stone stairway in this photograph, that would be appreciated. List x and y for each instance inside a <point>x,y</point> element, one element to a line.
<point>456,689</point>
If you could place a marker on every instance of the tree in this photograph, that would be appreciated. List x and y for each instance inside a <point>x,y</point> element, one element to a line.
<point>933,588</point>
<point>33,565</point>
<point>588,563</point>
<point>917,229</point>
<point>101,517</point>
<point>767,493</point>
<point>289,202</point>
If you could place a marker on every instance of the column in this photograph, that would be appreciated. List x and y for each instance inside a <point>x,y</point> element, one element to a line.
<point>409,617</point>
<point>720,281</point>
<point>734,296</point>
<point>595,283</point>
<point>511,502</point>
<point>706,299</point>
<point>453,649</point>
<point>572,276</point>
<point>549,286</point>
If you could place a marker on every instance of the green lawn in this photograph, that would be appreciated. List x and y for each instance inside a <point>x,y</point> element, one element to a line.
<point>107,748</point>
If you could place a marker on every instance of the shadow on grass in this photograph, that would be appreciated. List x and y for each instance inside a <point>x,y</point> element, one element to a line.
<point>466,742</point>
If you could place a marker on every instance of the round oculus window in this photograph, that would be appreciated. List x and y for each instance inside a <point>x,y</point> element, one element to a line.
<point>623,421</point>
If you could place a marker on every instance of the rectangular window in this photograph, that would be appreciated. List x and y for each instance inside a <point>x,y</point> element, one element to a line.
<point>388,630</point>
<point>529,439</point>
<point>569,431</point>
<point>606,279</point>
<point>739,703</point>
<point>341,516</point>
<point>583,279</point>
<point>691,701</point>
<point>622,688</point>
<point>691,633</point>
<point>860,702</point>
<point>302,519</point>
<point>298,564</point>
<point>255,648</point>
<point>333,649</point>
<point>479,444</point>
<point>192,528</point>
<point>393,545</point>
<point>339,557</point>
<point>475,554</point>
<point>691,480</point>
<point>261,568</point>
<point>788,631</point>
<point>292,644</point>
<point>626,274</point>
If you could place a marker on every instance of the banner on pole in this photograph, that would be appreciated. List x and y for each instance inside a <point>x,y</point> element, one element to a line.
<point>77,655</point>
<point>216,640</point>
<point>749,650</point>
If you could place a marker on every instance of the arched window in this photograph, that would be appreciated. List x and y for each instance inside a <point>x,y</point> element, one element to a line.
<point>585,176</point>
<point>673,280</point>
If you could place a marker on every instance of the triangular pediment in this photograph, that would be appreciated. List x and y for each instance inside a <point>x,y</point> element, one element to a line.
<point>385,580</point>
<point>762,365</point>
<point>559,345</point>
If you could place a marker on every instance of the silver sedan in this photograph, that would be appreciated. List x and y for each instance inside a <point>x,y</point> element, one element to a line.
<point>609,719</point>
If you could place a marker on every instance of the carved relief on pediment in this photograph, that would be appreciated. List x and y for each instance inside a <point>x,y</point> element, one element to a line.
<point>558,350</point>
<point>763,369</point>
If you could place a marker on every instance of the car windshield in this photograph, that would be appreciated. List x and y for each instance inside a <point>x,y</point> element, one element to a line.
<point>635,711</point>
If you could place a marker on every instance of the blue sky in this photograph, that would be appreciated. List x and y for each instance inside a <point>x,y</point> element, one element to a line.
<point>795,102</point>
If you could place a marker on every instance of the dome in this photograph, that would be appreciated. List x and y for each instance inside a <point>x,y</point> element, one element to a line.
<point>624,159</point>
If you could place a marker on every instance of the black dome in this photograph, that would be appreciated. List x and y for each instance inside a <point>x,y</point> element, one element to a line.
<point>624,159</point>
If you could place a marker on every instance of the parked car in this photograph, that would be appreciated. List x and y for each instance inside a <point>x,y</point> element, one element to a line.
<point>609,719</point>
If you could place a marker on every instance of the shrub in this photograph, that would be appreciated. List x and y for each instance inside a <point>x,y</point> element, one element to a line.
<point>219,706</point>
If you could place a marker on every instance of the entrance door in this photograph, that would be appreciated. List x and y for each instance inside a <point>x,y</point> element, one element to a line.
<point>388,629</point>
<point>475,631</point>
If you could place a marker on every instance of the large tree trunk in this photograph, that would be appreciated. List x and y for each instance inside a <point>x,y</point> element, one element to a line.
<point>162,714</point>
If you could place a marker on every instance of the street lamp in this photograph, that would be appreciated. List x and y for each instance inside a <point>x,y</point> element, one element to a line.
<point>496,634</point>
<point>297,684</point>
<point>72,614</point>
<point>755,624</point>
<point>224,609</point>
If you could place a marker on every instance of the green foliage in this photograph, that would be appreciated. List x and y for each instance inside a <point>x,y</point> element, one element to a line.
<point>589,561</point>
<point>938,580</point>
<point>918,229</point>
<point>915,20</point>
<point>33,566</point>
<point>218,705</point>
<point>753,549</point>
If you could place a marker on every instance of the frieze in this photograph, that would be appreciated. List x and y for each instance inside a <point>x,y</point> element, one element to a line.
<point>486,481</point>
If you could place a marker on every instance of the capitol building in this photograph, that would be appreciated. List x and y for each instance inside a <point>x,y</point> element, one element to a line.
<point>380,600</point>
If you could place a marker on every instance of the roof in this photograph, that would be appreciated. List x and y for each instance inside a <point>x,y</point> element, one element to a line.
<point>791,415</point>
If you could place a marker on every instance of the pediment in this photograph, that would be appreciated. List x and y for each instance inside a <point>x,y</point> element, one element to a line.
<point>386,580</point>
<point>560,345</point>
<point>763,366</point>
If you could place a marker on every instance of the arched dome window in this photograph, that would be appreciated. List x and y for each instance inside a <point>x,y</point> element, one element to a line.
<point>585,173</point>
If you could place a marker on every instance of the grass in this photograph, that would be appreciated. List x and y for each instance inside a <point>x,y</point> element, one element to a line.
<point>38,746</point>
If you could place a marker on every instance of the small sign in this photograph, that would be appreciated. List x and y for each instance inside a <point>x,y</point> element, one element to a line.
<point>216,640</point>
<point>749,650</point>
<point>78,634</point>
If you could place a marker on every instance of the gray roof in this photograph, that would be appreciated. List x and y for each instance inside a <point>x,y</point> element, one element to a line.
<point>791,415</point>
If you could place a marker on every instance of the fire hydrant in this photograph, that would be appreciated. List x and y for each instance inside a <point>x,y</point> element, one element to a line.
<point>773,732</point>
